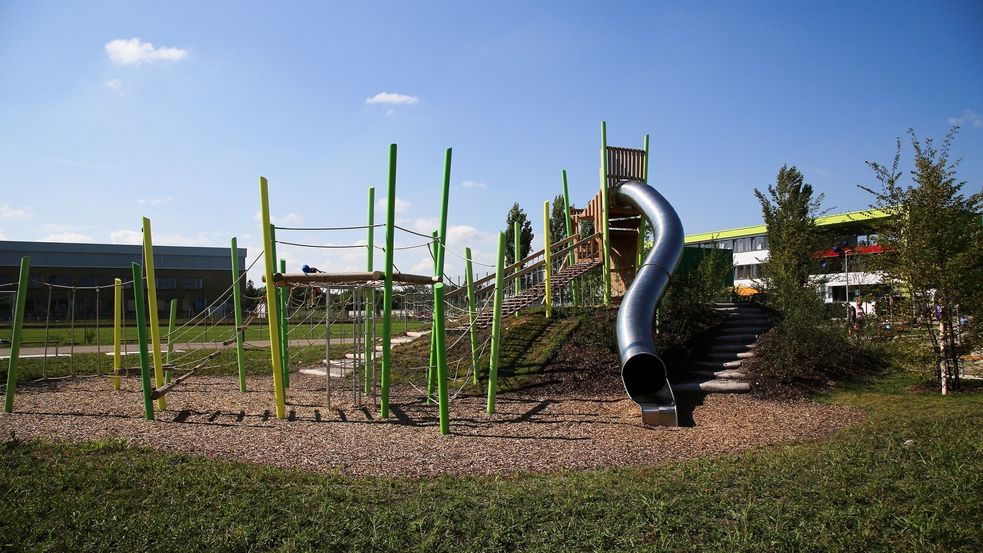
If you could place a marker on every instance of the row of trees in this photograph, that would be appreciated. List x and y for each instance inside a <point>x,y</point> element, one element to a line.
<point>558,229</point>
<point>933,242</point>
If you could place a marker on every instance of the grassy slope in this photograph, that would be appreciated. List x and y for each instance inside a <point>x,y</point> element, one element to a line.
<point>864,489</point>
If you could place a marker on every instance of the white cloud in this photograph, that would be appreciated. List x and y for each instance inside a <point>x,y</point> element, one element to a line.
<point>133,51</point>
<point>67,236</point>
<point>426,225</point>
<point>9,212</point>
<point>119,86</point>
<point>3,236</point>
<point>288,220</point>
<point>392,98</point>
<point>473,184</point>
<point>401,205</point>
<point>152,201</point>
<point>126,236</point>
<point>968,117</point>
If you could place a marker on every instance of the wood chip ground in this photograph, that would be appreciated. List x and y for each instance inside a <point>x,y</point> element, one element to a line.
<point>529,433</point>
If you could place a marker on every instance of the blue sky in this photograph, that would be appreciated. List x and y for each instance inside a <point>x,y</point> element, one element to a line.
<point>114,110</point>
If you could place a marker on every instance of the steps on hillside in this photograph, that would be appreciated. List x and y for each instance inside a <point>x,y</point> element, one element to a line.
<point>719,369</point>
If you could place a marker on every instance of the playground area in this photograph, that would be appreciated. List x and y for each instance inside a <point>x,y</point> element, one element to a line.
<point>531,431</point>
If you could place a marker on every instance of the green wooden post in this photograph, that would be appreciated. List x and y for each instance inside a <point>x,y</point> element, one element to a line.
<point>568,221</point>
<point>432,366</point>
<point>516,229</point>
<point>16,333</point>
<point>284,331</point>
<point>604,213</point>
<point>237,303</point>
<point>472,312</point>
<point>370,303</point>
<point>496,337</point>
<point>141,324</point>
<point>171,324</point>
<point>387,292</point>
<point>442,400</point>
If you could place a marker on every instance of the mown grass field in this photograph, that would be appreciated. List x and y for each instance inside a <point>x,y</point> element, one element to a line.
<point>909,478</point>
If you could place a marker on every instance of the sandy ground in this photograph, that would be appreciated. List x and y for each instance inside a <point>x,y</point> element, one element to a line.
<point>529,433</point>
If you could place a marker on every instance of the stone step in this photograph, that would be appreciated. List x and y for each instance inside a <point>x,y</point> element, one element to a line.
<point>415,334</point>
<point>718,365</point>
<point>729,348</point>
<point>733,330</point>
<point>744,337</point>
<point>725,374</point>
<point>717,386</point>
<point>728,355</point>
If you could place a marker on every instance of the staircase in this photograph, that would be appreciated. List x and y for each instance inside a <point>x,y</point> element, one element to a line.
<point>535,293</point>
<point>719,370</point>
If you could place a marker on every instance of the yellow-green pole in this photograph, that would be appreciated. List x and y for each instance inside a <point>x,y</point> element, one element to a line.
<point>141,323</point>
<point>237,305</point>
<point>546,250</point>
<point>171,324</point>
<point>472,312</point>
<point>387,292</point>
<point>442,400</point>
<point>496,337</point>
<point>284,329</point>
<point>604,213</point>
<point>370,304</point>
<point>272,305</point>
<point>117,332</point>
<point>568,222</point>
<point>15,335</point>
<point>148,259</point>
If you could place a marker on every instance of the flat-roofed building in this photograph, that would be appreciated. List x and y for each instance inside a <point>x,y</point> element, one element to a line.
<point>79,277</point>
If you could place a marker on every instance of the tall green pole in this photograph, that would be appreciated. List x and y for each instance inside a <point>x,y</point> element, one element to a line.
<point>496,337</point>
<point>432,366</point>
<point>568,221</point>
<point>171,324</point>
<point>444,198</point>
<point>237,304</point>
<point>604,213</point>
<point>16,333</point>
<point>472,312</point>
<point>370,304</point>
<point>272,305</point>
<point>516,229</point>
<point>387,292</point>
<point>442,400</point>
<point>284,331</point>
<point>141,322</point>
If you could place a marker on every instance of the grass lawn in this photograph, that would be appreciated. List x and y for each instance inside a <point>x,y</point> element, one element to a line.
<point>909,478</point>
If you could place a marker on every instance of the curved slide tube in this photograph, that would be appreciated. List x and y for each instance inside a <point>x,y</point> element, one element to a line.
<point>642,371</point>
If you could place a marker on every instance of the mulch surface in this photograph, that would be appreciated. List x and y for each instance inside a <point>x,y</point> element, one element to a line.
<point>536,429</point>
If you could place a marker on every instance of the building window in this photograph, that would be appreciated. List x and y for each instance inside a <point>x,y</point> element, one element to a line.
<point>167,283</point>
<point>742,245</point>
<point>725,244</point>
<point>193,283</point>
<point>759,242</point>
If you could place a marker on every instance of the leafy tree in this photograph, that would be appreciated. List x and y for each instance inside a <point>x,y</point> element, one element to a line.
<point>789,210</point>
<point>558,220</point>
<point>934,241</point>
<point>525,234</point>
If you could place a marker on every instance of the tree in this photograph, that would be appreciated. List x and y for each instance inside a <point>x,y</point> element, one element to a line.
<point>558,220</point>
<point>525,234</point>
<point>789,210</point>
<point>934,242</point>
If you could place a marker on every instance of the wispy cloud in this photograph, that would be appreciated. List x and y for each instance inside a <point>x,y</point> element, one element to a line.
<point>392,99</point>
<point>119,86</point>
<point>126,236</point>
<point>401,205</point>
<point>288,220</point>
<point>152,201</point>
<point>133,51</point>
<point>67,236</point>
<point>473,184</point>
<point>8,211</point>
<point>968,117</point>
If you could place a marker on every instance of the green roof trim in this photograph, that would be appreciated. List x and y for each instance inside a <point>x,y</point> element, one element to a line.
<point>825,220</point>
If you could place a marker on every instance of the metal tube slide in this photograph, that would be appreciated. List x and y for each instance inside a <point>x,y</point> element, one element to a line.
<point>642,371</point>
